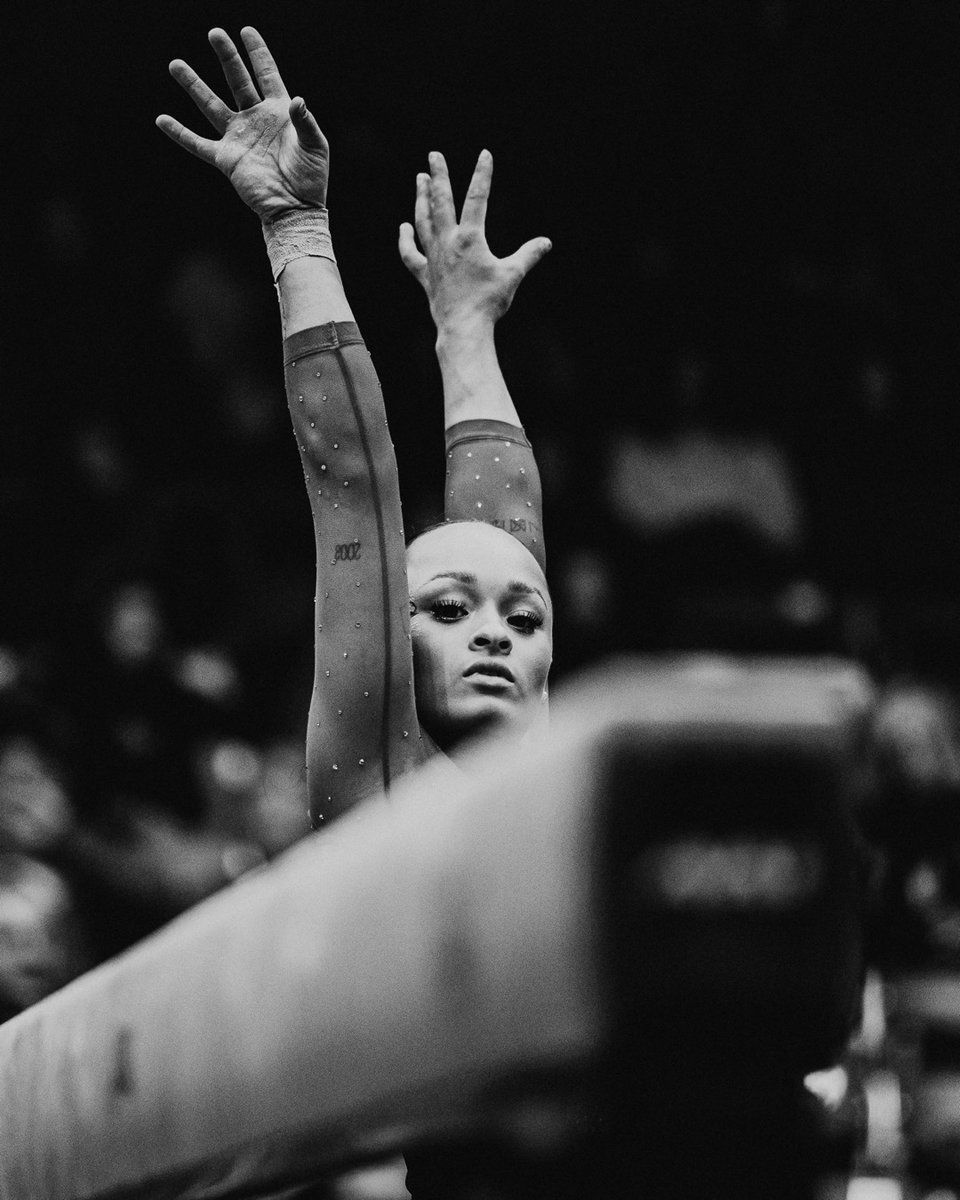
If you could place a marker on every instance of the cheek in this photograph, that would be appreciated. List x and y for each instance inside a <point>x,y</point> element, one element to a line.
<point>427,650</point>
<point>539,659</point>
<point>429,670</point>
<point>542,668</point>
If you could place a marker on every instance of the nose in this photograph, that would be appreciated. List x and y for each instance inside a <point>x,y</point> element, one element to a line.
<point>492,635</point>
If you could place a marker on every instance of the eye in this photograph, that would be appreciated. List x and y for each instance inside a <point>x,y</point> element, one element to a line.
<point>526,621</point>
<point>448,610</point>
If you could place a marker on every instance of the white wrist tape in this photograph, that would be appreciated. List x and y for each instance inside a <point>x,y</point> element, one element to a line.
<point>302,233</point>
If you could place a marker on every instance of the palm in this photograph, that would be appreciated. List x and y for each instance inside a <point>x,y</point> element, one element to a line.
<point>458,271</point>
<point>270,149</point>
<point>270,169</point>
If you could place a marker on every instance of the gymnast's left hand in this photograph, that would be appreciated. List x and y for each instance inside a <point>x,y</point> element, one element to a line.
<point>464,281</point>
<point>271,148</point>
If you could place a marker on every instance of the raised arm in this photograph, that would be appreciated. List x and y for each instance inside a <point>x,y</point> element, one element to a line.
<point>362,728</point>
<point>491,472</point>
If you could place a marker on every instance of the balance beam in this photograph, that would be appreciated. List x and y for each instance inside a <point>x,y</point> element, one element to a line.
<point>381,981</point>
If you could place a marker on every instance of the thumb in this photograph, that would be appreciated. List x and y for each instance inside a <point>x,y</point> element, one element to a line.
<point>411,257</point>
<point>530,253</point>
<point>304,122</point>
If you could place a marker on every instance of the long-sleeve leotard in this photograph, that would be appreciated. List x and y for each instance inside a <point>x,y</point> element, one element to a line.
<point>363,731</point>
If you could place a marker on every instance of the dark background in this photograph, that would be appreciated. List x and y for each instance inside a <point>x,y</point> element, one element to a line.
<point>765,190</point>
<point>739,368</point>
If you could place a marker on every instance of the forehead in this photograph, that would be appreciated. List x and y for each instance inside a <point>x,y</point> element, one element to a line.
<point>475,549</point>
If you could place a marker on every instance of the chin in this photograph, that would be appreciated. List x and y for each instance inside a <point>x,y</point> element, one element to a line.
<point>479,716</point>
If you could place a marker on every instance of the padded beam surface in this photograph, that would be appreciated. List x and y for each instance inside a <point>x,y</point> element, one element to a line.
<point>374,981</point>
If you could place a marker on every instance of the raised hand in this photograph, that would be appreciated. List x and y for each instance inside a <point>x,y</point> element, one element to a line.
<point>462,278</point>
<point>271,149</point>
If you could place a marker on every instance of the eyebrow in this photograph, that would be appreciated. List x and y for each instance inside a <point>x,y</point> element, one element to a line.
<point>516,587</point>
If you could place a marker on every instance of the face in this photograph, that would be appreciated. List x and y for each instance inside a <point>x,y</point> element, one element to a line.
<point>482,628</point>
<point>133,627</point>
<point>34,808</point>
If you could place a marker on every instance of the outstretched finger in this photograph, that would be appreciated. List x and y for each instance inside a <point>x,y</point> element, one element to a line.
<point>203,148</point>
<point>234,68</point>
<point>421,210</point>
<point>474,211</point>
<point>442,212</point>
<point>529,254</point>
<point>262,62</point>
<point>204,97</point>
<point>410,256</point>
<point>309,132</point>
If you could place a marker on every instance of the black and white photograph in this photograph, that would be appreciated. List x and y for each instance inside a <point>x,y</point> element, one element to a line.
<point>480,601</point>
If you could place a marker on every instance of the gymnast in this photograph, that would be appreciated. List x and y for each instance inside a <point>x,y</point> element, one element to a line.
<point>418,648</point>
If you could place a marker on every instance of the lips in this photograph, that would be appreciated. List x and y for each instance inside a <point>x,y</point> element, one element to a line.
<point>493,669</point>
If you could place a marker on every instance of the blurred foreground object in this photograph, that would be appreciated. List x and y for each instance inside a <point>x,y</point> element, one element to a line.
<point>610,960</point>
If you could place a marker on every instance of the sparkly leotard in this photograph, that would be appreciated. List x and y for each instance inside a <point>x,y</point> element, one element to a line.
<point>363,730</point>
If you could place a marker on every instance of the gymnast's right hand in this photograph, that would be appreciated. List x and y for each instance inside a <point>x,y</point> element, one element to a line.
<point>271,149</point>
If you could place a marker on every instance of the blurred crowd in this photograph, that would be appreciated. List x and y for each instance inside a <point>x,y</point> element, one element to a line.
<point>157,647</point>
<point>740,382</point>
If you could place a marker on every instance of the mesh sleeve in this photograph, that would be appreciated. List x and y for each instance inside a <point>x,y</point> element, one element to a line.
<point>492,476</point>
<point>363,730</point>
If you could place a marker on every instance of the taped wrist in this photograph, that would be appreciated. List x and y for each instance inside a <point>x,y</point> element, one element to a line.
<point>301,233</point>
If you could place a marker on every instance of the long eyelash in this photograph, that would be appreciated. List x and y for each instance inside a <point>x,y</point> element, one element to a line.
<point>413,608</point>
<point>530,620</point>
<point>448,610</point>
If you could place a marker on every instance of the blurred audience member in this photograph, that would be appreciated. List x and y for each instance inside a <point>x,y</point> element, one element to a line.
<point>280,811</point>
<point>699,476</point>
<point>711,525</point>
<point>43,944</point>
<point>146,703</point>
<point>99,877</point>
<point>584,587</point>
<point>915,821</point>
<point>35,813</point>
<point>228,771</point>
